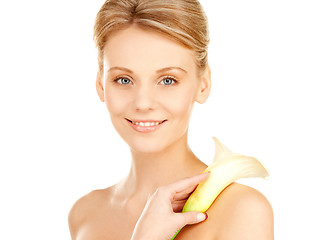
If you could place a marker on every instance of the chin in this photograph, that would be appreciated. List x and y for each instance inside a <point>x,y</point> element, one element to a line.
<point>147,146</point>
<point>156,142</point>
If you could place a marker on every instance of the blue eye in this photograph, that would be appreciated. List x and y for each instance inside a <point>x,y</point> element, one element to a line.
<point>123,81</point>
<point>168,81</point>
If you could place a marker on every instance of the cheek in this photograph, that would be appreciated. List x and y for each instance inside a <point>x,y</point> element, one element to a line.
<point>116,101</point>
<point>180,103</point>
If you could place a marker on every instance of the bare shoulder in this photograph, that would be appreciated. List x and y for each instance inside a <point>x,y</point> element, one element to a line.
<point>239,195</point>
<point>84,207</point>
<point>239,212</point>
<point>244,212</point>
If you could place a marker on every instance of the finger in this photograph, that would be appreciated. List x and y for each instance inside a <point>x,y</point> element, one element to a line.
<point>186,183</point>
<point>184,194</point>
<point>193,217</point>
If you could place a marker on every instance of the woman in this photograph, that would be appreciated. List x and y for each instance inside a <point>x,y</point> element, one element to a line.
<point>152,68</point>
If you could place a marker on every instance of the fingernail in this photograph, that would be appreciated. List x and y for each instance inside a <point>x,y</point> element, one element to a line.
<point>202,216</point>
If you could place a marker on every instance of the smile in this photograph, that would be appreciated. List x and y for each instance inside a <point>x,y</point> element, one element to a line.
<point>145,125</point>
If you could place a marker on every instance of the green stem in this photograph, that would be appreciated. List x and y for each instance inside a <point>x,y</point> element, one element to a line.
<point>175,234</point>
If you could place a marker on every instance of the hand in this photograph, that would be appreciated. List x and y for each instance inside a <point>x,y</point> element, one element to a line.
<point>162,217</point>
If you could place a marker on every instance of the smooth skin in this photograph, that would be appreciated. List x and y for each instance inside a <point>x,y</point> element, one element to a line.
<point>151,77</point>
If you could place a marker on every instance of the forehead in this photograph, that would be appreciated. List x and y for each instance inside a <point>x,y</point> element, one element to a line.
<point>136,48</point>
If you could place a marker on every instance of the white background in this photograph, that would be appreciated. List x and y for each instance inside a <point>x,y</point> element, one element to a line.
<point>56,139</point>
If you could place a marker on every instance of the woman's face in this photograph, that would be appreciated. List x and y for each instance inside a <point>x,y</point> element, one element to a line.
<point>150,86</point>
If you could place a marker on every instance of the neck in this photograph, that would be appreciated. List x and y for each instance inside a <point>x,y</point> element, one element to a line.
<point>151,170</point>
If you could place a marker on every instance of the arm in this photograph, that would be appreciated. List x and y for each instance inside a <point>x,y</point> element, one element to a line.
<point>74,219</point>
<point>78,213</point>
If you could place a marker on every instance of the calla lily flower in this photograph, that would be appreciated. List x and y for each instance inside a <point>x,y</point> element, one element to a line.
<point>226,168</point>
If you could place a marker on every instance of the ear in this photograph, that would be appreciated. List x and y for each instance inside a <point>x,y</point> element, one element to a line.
<point>99,87</point>
<point>205,86</point>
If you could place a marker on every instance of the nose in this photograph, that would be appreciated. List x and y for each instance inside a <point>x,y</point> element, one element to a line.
<point>144,98</point>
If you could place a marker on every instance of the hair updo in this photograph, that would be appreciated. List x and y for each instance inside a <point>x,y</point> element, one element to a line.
<point>181,20</point>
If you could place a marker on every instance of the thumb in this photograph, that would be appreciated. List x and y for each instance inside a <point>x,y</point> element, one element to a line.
<point>193,217</point>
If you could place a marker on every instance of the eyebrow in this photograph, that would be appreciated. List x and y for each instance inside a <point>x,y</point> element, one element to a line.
<point>158,71</point>
<point>171,68</point>
<point>121,69</point>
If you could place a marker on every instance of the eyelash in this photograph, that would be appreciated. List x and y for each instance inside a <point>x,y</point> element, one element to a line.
<point>116,80</point>
<point>175,81</point>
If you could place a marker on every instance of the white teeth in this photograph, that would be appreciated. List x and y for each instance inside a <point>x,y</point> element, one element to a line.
<point>146,124</point>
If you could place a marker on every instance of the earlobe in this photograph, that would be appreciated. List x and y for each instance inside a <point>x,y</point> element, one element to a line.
<point>99,87</point>
<point>205,86</point>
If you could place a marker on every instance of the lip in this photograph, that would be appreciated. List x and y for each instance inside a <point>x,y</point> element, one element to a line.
<point>145,129</point>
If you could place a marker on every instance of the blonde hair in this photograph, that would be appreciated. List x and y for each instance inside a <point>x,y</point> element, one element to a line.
<point>181,20</point>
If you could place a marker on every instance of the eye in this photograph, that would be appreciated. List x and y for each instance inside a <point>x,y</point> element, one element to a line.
<point>123,81</point>
<point>168,81</point>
